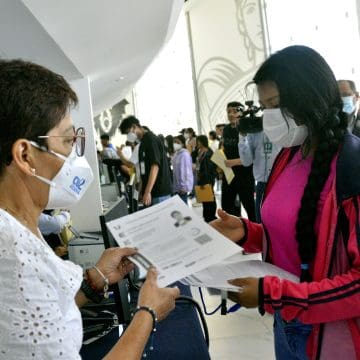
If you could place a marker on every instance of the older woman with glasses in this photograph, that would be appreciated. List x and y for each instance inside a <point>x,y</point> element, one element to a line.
<point>42,166</point>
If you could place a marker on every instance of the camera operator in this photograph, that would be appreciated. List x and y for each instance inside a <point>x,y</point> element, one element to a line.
<point>243,183</point>
<point>255,148</point>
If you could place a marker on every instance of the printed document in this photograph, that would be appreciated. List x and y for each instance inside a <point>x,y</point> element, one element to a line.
<point>238,266</point>
<point>173,238</point>
<point>219,158</point>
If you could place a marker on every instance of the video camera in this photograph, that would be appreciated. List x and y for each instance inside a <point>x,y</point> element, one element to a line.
<point>248,121</point>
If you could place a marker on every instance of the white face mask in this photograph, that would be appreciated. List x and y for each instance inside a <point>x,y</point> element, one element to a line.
<point>187,136</point>
<point>282,129</point>
<point>131,137</point>
<point>177,146</point>
<point>70,183</point>
<point>348,104</point>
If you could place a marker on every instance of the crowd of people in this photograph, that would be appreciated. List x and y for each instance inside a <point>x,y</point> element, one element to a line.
<point>303,166</point>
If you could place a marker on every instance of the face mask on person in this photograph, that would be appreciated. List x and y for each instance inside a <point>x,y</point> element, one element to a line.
<point>348,104</point>
<point>177,146</point>
<point>187,136</point>
<point>131,137</point>
<point>70,183</point>
<point>282,129</point>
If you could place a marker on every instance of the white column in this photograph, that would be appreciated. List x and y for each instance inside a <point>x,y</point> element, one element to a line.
<point>85,215</point>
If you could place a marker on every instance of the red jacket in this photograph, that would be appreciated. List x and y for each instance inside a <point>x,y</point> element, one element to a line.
<point>331,302</point>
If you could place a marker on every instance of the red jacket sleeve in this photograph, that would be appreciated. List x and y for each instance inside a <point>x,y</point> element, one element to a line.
<point>329,299</point>
<point>253,239</point>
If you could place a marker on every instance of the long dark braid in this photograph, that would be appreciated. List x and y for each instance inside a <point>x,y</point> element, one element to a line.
<point>329,141</point>
<point>308,92</point>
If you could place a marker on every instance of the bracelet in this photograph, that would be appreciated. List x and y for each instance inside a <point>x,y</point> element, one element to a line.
<point>106,281</point>
<point>154,320</point>
<point>90,293</point>
<point>151,312</point>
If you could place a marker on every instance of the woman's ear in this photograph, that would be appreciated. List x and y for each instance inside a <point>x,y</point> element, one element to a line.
<point>23,156</point>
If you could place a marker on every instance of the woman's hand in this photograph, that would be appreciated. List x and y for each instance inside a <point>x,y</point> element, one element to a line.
<point>248,295</point>
<point>61,251</point>
<point>146,199</point>
<point>162,301</point>
<point>230,226</point>
<point>114,264</point>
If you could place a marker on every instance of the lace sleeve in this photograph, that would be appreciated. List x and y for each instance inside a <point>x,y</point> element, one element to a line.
<point>38,315</point>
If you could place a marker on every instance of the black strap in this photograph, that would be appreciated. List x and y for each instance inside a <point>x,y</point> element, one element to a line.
<point>90,293</point>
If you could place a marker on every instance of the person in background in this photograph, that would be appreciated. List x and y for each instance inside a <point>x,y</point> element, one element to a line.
<point>206,174</point>
<point>310,212</point>
<point>109,150</point>
<point>190,138</point>
<point>134,168</point>
<point>154,167</point>
<point>243,184</point>
<point>126,149</point>
<point>213,141</point>
<point>219,128</point>
<point>214,146</point>
<point>41,293</point>
<point>51,226</point>
<point>183,179</point>
<point>169,142</point>
<point>350,98</point>
<point>169,148</point>
<point>256,149</point>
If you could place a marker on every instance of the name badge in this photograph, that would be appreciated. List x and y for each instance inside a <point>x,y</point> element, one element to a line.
<point>268,147</point>
<point>142,168</point>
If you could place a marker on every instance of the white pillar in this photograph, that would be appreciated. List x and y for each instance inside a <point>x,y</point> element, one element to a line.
<point>85,215</point>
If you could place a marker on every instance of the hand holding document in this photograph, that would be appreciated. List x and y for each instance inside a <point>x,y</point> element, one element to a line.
<point>239,266</point>
<point>219,159</point>
<point>173,238</point>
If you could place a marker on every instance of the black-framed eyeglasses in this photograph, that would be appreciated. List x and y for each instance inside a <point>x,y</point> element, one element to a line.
<point>78,140</point>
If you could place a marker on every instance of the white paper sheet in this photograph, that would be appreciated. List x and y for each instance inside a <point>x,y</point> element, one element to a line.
<point>173,238</point>
<point>217,276</point>
<point>219,158</point>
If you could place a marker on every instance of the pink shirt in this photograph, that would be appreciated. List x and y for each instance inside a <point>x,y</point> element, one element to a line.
<point>280,209</point>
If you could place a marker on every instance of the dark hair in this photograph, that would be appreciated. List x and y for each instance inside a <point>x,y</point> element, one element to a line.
<point>128,123</point>
<point>33,100</point>
<point>181,138</point>
<point>191,131</point>
<point>233,104</point>
<point>170,144</point>
<point>309,92</point>
<point>105,137</point>
<point>219,125</point>
<point>212,135</point>
<point>351,84</point>
<point>203,140</point>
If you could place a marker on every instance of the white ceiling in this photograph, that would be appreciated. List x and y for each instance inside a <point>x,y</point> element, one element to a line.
<point>112,42</point>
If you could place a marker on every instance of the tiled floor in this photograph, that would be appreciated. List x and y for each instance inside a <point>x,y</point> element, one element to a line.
<point>244,334</point>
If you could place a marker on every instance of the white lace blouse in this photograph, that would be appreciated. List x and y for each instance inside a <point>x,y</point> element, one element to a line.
<point>38,315</point>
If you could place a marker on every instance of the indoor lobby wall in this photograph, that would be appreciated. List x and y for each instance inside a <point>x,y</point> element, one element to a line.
<point>227,47</point>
